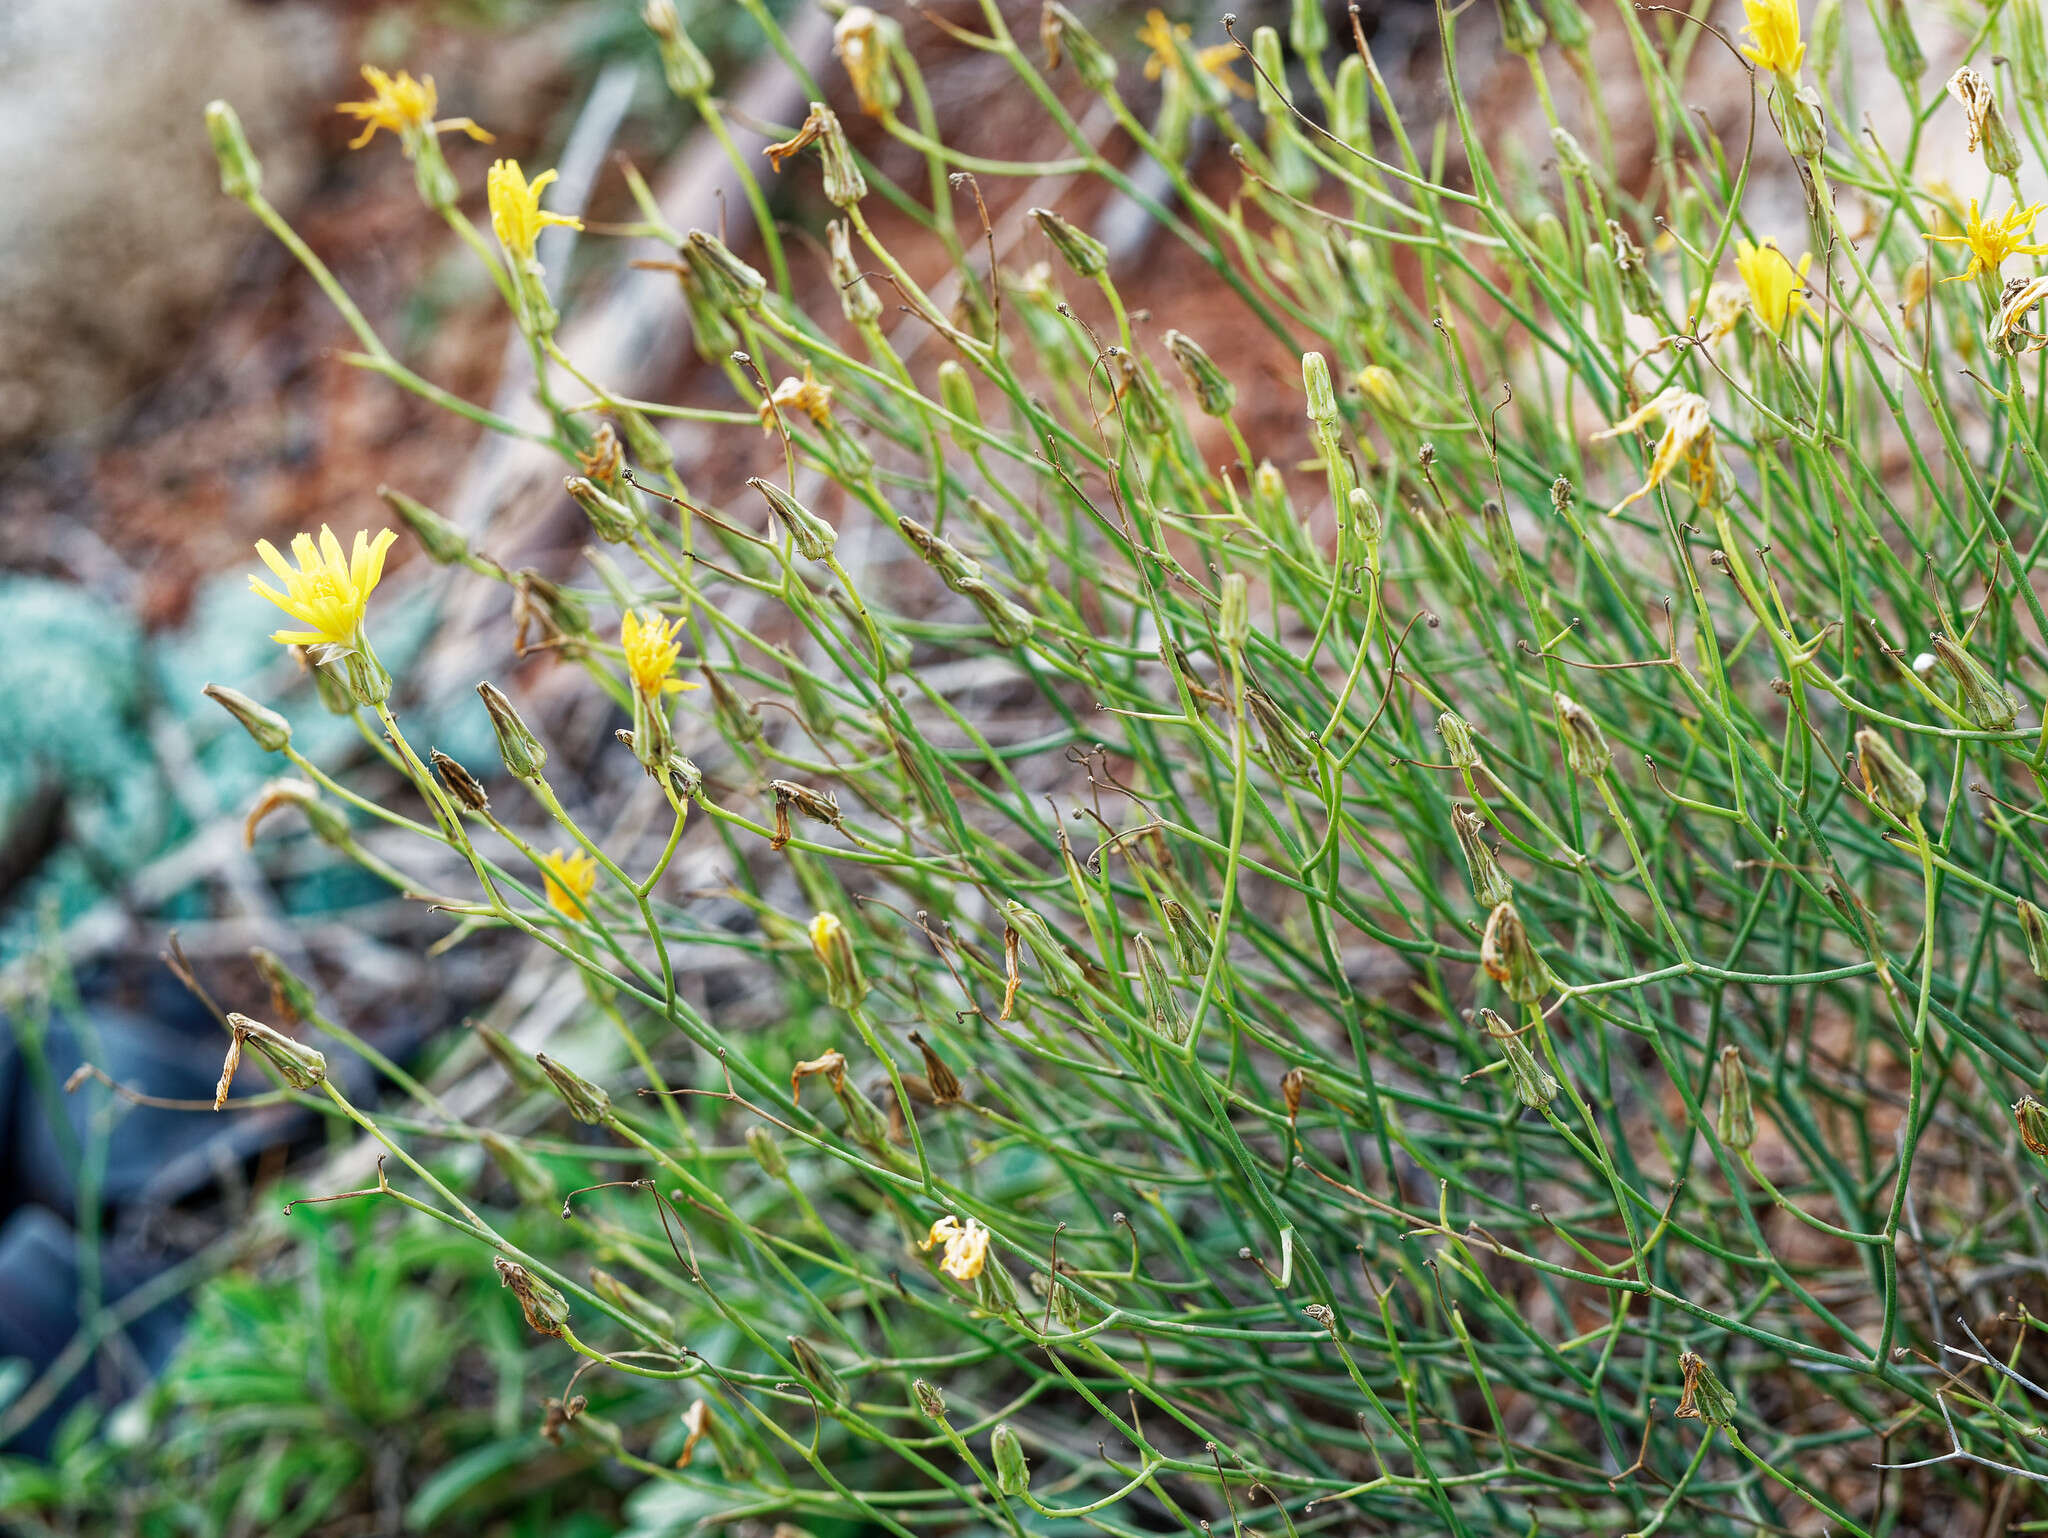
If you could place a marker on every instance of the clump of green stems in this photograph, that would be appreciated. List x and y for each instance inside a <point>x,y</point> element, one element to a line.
<point>1151,792</point>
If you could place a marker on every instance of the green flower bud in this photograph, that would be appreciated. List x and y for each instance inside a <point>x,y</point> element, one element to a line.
<point>1322,396</point>
<point>1891,782</point>
<point>1308,29</point>
<point>2025,46</point>
<point>2034,930</point>
<point>1735,1116</point>
<point>1490,885</point>
<point>1585,745</point>
<point>1087,256</point>
<point>1510,958</point>
<point>1234,621</point>
<point>929,1401</point>
<point>1351,102</point>
<point>1603,286</point>
<point>1569,25</point>
<point>1061,973</point>
<point>1521,30</point>
<point>241,173</point>
<point>610,519</point>
<point>444,543</point>
<point>1214,392</point>
<point>1901,44</point>
<point>1456,732</point>
<point>1009,624</point>
<point>628,1301</point>
<point>522,751</point>
<point>1292,751</point>
<point>1705,1398</point>
<point>1534,1084</point>
<point>368,682</point>
<point>727,279</point>
<point>1190,941</point>
<point>291,994</point>
<point>518,1066</point>
<point>459,782</point>
<point>863,1122</point>
<point>956,394</point>
<point>1161,1002</point>
<point>1272,69</point>
<point>1058,29</point>
<point>272,732</point>
<point>1013,1472</point>
<point>832,944</point>
<point>739,718</point>
<point>546,1310</point>
<point>1632,266</point>
<point>685,69</point>
<point>767,1152</point>
<point>2032,1117</point>
<point>1989,705</point>
<point>995,1291</point>
<point>522,1171</point>
<point>561,609</point>
<point>816,1370</point>
<point>586,1102</point>
<point>812,535</point>
<point>298,1065</point>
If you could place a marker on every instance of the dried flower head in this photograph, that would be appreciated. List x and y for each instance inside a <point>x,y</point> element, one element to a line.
<point>1688,438</point>
<point>966,1247</point>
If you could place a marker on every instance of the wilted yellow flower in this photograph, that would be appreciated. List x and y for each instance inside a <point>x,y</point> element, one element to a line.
<point>857,39</point>
<point>570,876</point>
<point>1688,438</point>
<point>1991,241</point>
<point>1773,28</point>
<point>813,399</point>
<point>966,1247</point>
<point>329,591</point>
<point>1972,92</point>
<point>1159,35</point>
<point>403,106</point>
<point>1775,285</point>
<point>2021,297</point>
<point>516,215</point>
<point>651,651</point>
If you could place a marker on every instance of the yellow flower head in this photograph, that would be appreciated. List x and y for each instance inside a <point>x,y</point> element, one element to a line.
<point>1775,285</point>
<point>329,591</point>
<point>403,106</point>
<point>570,876</point>
<point>1688,438</point>
<point>516,215</point>
<point>966,1247</point>
<point>651,652</point>
<point>1161,35</point>
<point>1991,241</point>
<point>1774,42</point>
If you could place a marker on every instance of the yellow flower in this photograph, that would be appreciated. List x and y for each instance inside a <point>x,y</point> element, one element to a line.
<point>1688,438</point>
<point>516,215</point>
<point>651,651</point>
<point>329,591</point>
<point>1160,35</point>
<point>1991,241</point>
<point>1773,28</point>
<point>1775,285</point>
<point>570,876</point>
<point>403,106</point>
<point>966,1247</point>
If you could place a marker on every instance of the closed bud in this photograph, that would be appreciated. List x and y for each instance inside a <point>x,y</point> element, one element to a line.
<point>526,1175</point>
<point>864,1124</point>
<point>995,1291</point>
<point>2034,930</point>
<point>586,1102</point>
<point>272,732</point>
<point>1061,33</point>
<point>1888,778</point>
<point>330,683</point>
<point>844,184</point>
<point>1062,975</point>
<point>739,718</point>
<point>1490,885</point>
<point>1013,1472</point>
<point>1901,43</point>
<point>816,1370</point>
<point>1009,624</point>
<point>1824,48</point>
<point>1388,397</point>
<point>729,280</point>
<point>1585,745</point>
<point>685,69</point>
<point>955,569</point>
<point>1535,1085</point>
<point>1214,392</point>
<point>1521,29</point>
<point>290,994</point>
<point>812,535</point>
<point>929,1401</point>
<point>631,1303</point>
<point>1190,941</point>
<point>368,683</point>
<point>1161,1003</point>
<point>1989,705</point>
<point>939,1077</point>
<point>1456,733</point>
<point>298,1065</point>
<point>1510,957</point>
<point>832,944</point>
<point>1272,69</point>
<point>1632,266</point>
<point>561,610</point>
<point>610,519</point>
<point>443,542</point>
<point>1322,395</point>
<point>329,824</point>
<point>1365,520</point>
<point>241,173</point>
<point>519,1066</point>
<point>1603,286</point>
<point>2032,1117</point>
<point>857,296</point>
<point>523,755</point>
<point>1351,102</point>
<point>767,1152</point>
<point>1735,1116</point>
<point>1291,750</point>
<point>1569,25</point>
<point>1088,256</point>
<point>2025,46</point>
<point>459,782</point>
<point>956,394</point>
<point>1705,1397</point>
<point>546,1310</point>
<point>1234,622</point>
<point>1308,29</point>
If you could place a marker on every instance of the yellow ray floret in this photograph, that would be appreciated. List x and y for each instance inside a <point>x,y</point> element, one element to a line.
<point>404,106</point>
<point>516,215</point>
<point>1774,42</point>
<point>1776,286</point>
<point>1688,439</point>
<point>1159,35</point>
<point>651,650</point>
<point>966,1247</point>
<point>1991,241</point>
<point>329,591</point>
<point>570,876</point>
